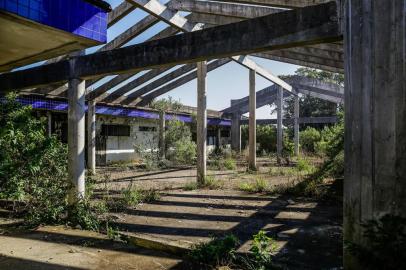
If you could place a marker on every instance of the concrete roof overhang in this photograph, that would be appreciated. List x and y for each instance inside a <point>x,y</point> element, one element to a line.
<point>30,33</point>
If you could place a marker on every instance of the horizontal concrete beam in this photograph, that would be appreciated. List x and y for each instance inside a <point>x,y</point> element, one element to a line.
<point>305,26</point>
<point>224,9</point>
<point>302,120</point>
<point>170,86</point>
<point>278,3</point>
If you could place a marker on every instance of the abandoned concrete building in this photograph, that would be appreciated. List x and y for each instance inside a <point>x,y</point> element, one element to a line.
<point>96,99</point>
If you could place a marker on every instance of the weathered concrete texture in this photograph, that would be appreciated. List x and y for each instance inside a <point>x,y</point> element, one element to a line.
<point>278,3</point>
<point>162,124</point>
<point>59,248</point>
<point>301,120</point>
<point>279,128</point>
<point>91,136</point>
<point>306,26</point>
<point>186,218</point>
<point>252,126</point>
<point>236,132</point>
<point>296,125</point>
<point>375,113</point>
<point>76,137</point>
<point>201,122</point>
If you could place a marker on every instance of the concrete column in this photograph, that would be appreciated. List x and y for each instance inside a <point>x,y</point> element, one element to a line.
<point>279,115</point>
<point>375,113</point>
<point>296,125</point>
<point>49,126</point>
<point>76,138</point>
<point>236,132</point>
<point>218,137</point>
<point>91,136</point>
<point>252,125</point>
<point>201,121</point>
<point>162,124</point>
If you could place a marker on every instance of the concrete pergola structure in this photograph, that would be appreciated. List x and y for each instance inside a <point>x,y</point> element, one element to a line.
<point>374,64</point>
<point>323,90</point>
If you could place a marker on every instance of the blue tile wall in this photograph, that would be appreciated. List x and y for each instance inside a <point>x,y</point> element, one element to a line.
<point>74,16</point>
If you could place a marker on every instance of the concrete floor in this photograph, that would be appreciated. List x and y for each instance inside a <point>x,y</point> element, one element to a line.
<point>61,248</point>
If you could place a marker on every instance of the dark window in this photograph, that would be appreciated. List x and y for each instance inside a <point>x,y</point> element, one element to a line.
<point>225,133</point>
<point>143,128</point>
<point>115,130</point>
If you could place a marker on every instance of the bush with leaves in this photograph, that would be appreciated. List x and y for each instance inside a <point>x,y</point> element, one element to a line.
<point>33,169</point>
<point>180,147</point>
<point>309,139</point>
<point>218,252</point>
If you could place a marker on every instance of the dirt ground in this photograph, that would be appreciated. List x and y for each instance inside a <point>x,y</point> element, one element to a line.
<point>308,232</point>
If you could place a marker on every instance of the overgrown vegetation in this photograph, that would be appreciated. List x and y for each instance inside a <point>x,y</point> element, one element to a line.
<point>180,147</point>
<point>385,246</point>
<point>221,251</point>
<point>209,183</point>
<point>33,169</point>
<point>260,185</point>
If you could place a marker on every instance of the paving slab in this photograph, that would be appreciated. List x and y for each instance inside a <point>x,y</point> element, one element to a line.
<point>308,231</point>
<point>63,248</point>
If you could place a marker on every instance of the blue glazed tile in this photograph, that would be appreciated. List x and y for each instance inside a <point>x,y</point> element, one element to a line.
<point>67,15</point>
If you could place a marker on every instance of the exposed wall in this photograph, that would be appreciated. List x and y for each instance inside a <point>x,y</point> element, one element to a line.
<point>122,148</point>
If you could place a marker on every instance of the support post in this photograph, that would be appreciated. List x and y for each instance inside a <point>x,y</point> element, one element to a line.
<point>296,125</point>
<point>49,120</point>
<point>162,124</point>
<point>201,122</point>
<point>236,132</point>
<point>76,138</point>
<point>91,136</point>
<point>279,112</point>
<point>375,113</point>
<point>218,137</point>
<point>252,137</point>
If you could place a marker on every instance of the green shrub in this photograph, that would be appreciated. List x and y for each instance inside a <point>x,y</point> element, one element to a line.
<point>211,183</point>
<point>135,196</point>
<point>309,139</point>
<point>230,164</point>
<point>218,252</point>
<point>263,247</point>
<point>184,152</point>
<point>83,215</point>
<point>260,185</point>
<point>190,186</point>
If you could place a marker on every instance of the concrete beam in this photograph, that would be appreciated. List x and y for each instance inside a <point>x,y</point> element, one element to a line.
<point>375,113</point>
<point>252,126</point>
<point>162,124</point>
<point>201,122</point>
<point>301,120</point>
<point>91,136</point>
<point>153,85</point>
<point>119,12</point>
<point>102,89</point>
<point>294,61</point>
<point>236,132</point>
<point>174,84</point>
<point>223,9</point>
<point>155,8</point>
<point>278,3</point>
<point>76,139</point>
<point>310,25</point>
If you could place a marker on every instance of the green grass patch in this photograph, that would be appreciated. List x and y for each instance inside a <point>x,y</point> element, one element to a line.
<point>260,185</point>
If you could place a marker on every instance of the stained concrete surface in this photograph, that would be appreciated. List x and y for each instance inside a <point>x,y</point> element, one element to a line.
<point>62,248</point>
